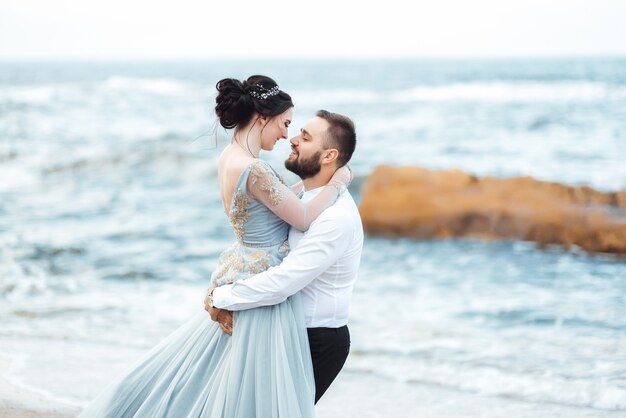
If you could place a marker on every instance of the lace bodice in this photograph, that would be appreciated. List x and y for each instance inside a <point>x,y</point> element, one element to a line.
<point>261,211</point>
<point>253,222</point>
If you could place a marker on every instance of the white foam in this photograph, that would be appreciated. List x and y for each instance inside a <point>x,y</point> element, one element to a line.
<point>326,98</point>
<point>162,86</point>
<point>28,94</point>
<point>490,92</point>
<point>492,381</point>
<point>503,92</point>
<point>17,178</point>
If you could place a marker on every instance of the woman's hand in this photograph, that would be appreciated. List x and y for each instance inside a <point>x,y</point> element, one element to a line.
<point>343,175</point>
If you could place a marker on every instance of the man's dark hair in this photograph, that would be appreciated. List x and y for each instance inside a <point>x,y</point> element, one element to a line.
<point>341,135</point>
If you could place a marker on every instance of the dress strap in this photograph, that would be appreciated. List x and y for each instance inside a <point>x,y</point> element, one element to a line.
<point>242,181</point>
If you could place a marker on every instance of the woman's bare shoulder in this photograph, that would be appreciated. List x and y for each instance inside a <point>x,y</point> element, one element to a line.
<point>232,163</point>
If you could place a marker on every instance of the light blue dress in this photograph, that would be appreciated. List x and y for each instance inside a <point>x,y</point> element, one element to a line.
<point>264,370</point>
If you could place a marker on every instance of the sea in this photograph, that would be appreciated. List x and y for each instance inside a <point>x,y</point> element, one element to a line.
<point>111,224</point>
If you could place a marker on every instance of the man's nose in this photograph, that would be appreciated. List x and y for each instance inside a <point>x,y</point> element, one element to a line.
<point>294,140</point>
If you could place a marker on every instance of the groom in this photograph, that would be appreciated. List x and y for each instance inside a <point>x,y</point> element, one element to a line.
<point>323,261</point>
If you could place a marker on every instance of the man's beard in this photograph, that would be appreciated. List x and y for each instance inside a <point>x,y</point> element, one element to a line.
<point>305,167</point>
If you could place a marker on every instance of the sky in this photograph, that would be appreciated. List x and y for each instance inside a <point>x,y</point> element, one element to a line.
<point>209,29</point>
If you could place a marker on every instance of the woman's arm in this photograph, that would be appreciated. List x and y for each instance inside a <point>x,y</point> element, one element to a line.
<point>265,186</point>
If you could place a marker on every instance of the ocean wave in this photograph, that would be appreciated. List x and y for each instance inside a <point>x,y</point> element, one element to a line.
<point>324,98</point>
<point>515,317</point>
<point>39,94</point>
<point>531,385</point>
<point>160,86</point>
<point>490,92</point>
<point>174,154</point>
<point>34,95</point>
<point>22,177</point>
<point>522,91</point>
<point>502,92</point>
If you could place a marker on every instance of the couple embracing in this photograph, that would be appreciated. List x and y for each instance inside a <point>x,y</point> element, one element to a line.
<point>276,335</point>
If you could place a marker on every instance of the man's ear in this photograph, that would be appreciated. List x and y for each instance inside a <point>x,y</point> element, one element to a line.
<point>330,156</point>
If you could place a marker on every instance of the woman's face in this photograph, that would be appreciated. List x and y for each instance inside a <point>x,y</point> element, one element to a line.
<point>275,129</point>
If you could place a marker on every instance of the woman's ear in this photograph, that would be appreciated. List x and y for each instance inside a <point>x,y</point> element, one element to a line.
<point>263,120</point>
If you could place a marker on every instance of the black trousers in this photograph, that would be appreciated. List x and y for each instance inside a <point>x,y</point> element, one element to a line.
<point>329,351</point>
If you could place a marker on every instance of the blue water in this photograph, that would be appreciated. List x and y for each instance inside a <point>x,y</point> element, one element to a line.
<point>110,219</point>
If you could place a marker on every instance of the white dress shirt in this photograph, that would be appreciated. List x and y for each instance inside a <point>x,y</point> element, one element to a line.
<point>323,263</point>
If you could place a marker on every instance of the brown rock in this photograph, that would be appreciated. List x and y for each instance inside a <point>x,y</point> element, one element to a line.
<point>420,203</point>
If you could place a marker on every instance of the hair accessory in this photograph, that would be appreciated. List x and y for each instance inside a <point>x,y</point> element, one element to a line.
<point>264,93</point>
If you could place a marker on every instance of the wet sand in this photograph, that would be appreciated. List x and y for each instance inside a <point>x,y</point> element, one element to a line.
<point>17,402</point>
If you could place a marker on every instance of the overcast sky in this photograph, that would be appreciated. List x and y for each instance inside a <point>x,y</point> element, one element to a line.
<point>205,29</point>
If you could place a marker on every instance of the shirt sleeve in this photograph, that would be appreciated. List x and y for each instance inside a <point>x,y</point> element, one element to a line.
<point>320,247</point>
<point>265,186</point>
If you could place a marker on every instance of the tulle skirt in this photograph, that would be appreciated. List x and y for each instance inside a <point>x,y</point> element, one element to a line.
<point>263,370</point>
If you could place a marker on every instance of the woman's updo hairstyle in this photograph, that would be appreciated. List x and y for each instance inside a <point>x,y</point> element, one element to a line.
<point>237,101</point>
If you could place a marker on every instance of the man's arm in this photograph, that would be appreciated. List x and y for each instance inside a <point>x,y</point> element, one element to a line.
<point>319,248</point>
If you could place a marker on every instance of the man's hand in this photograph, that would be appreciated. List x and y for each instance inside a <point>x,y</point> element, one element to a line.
<point>223,317</point>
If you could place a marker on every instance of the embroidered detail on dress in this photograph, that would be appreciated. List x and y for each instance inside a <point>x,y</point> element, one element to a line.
<point>269,181</point>
<point>284,248</point>
<point>258,262</point>
<point>230,264</point>
<point>239,213</point>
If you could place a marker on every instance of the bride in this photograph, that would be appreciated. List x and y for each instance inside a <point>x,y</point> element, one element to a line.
<point>264,369</point>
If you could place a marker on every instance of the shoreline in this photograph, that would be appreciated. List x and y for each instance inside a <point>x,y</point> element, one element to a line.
<point>375,394</point>
<point>18,402</point>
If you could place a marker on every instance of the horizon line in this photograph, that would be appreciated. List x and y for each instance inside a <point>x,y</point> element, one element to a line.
<point>485,57</point>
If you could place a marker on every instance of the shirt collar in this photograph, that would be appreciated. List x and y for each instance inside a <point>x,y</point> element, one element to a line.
<point>310,194</point>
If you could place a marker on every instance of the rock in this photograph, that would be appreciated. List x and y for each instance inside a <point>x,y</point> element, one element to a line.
<point>420,203</point>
